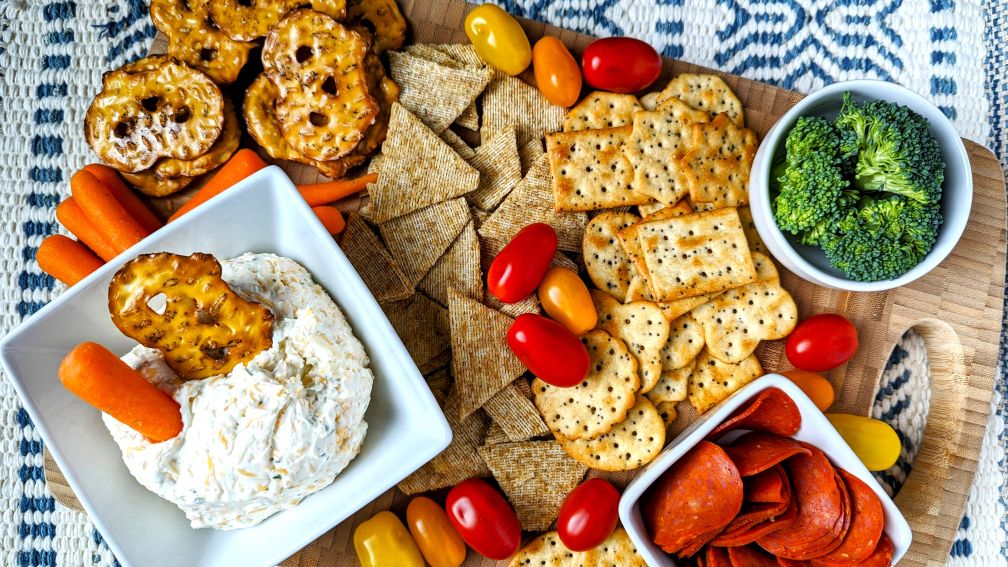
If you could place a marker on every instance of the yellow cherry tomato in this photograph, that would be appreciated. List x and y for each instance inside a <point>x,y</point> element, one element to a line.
<point>557,73</point>
<point>440,544</point>
<point>817,388</point>
<point>383,541</point>
<point>873,441</point>
<point>566,299</point>
<point>499,39</point>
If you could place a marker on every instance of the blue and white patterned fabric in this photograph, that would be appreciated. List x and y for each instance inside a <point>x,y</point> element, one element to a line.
<point>52,54</point>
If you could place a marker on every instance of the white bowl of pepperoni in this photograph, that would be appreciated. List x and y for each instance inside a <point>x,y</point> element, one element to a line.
<point>762,479</point>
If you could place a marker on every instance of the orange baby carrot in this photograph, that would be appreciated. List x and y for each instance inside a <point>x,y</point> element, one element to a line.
<point>98,377</point>
<point>104,211</point>
<point>66,259</point>
<point>330,191</point>
<point>126,197</point>
<point>70,215</point>
<point>245,162</point>
<point>331,219</point>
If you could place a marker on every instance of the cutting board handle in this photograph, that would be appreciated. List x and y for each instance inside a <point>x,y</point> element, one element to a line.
<point>938,461</point>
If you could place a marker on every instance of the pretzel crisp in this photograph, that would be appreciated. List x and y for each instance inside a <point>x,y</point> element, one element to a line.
<point>205,328</point>
<point>386,92</point>
<point>317,65</point>
<point>151,184</point>
<point>384,20</point>
<point>246,20</point>
<point>261,121</point>
<point>193,38</point>
<point>171,111</point>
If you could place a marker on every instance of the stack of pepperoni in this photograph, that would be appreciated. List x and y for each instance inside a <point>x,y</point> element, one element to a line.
<point>765,499</point>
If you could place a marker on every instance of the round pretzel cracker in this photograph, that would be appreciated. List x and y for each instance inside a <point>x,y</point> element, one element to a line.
<point>246,20</point>
<point>218,154</point>
<point>171,111</point>
<point>193,38</point>
<point>260,120</point>
<point>204,329</point>
<point>383,19</point>
<point>324,106</point>
<point>151,184</point>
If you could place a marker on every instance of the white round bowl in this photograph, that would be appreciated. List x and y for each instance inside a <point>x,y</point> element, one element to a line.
<point>809,262</point>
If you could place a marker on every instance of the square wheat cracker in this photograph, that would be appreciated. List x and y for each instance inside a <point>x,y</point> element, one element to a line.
<point>437,94</point>
<point>508,101</point>
<point>458,269</point>
<point>696,254</point>
<point>416,240</point>
<point>499,165</point>
<point>373,262</point>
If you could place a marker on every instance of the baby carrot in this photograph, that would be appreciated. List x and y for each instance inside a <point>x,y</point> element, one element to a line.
<point>330,191</point>
<point>98,377</point>
<point>331,219</point>
<point>245,162</point>
<point>66,259</point>
<point>126,197</point>
<point>104,211</point>
<point>70,215</point>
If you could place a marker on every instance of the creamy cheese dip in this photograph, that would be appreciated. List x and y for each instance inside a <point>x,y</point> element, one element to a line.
<point>262,437</point>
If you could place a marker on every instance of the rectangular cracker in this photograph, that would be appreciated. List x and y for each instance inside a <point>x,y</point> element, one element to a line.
<point>696,254</point>
<point>416,240</point>
<point>529,202</point>
<point>631,245</point>
<point>716,167</point>
<point>515,413</point>
<point>499,165</point>
<point>657,139</point>
<point>381,273</point>
<point>437,94</point>
<point>418,169</point>
<point>589,170</point>
<point>458,269</point>
<point>509,101</point>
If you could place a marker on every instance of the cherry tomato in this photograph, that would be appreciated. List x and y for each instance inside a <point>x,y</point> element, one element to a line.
<point>484,519</point>
<point>548,350</point>
<point>499,39</point>
<point>588,515</point>
<point>873,441</point>
<point>565,298</point>
<point>620,64</point>
<point>438,541</point>
<point>817,388</point>
<point>557,73</point>
<point>383,541</point>
<point>822,342</point>
<point>520,266</point>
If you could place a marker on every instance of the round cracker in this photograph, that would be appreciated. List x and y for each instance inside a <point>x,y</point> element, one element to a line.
<point>633,443</point>
<point>639,324</point>
<point>686,340</point>
<point>673,385</point>
<point>601,400</point>
<point>547,550</point>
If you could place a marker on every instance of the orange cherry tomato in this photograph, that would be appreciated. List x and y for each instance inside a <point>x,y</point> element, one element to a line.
<point>557,73</point>
<point>440,544</point>
<point>817,388</point>
<point>566,300</point>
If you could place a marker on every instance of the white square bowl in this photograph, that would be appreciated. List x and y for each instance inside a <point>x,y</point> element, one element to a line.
<point>815,429</point>
<point>263,213</point>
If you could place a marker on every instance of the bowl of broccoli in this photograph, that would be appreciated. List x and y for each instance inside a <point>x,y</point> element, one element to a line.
<point>863,186</point>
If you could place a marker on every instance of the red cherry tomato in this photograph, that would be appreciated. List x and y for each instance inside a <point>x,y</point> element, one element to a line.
<point>484,519</point>
<point>822,342</point>
<point>620,64</point>
<point>551,352</point>
<point>588,515</point>
<point>517,270</point>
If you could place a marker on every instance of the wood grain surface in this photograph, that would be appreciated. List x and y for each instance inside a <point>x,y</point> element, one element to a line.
<point>957,308</point>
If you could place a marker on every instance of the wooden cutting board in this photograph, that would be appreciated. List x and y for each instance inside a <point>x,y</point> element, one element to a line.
<point>957,309</point>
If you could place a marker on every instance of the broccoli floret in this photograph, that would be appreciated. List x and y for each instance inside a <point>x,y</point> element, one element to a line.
<point>896,152</point>
<point>813,135</point>
<point>882,238</point>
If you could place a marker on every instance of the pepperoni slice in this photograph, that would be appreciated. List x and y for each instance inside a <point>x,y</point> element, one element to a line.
<point>823,509</point>
<point>867,522</point>
<point>694,545</point>
<point>699,494</point>
<point>767,495</point>
<point>770,485</point>
<point>717,557</point>
<point>790,562</point>
<point>756,531</point>
<point>750,556</point>
<point>882,556</point>
<point>771,410</point>
<point>757,451</point>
